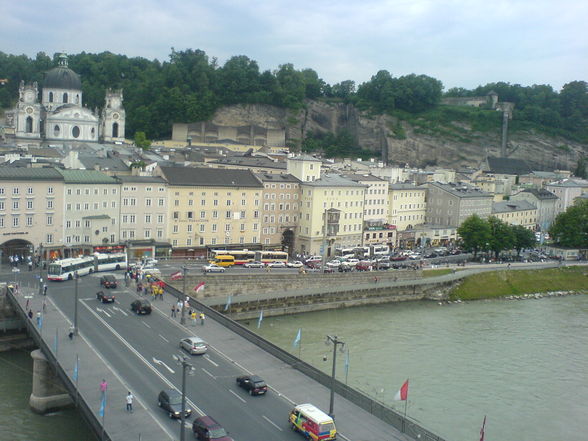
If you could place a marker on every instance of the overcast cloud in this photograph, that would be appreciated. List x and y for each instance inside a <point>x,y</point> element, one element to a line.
<point>463,43</point>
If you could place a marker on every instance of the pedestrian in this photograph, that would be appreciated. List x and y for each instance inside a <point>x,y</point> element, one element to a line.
<point>103,388</point>
<point>202,318</point>
<point>39,319</point>
<point>44,289</point>
<point>30,314</point>
<point>173,311</point>
<point>71,332</point>
<point>193,315</point>
<point>27,305</point>
<point>130,402</point>
<point>30,265</point>
<point>44,306</point>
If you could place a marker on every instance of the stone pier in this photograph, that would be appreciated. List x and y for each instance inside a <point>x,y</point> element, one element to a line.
<point>48,393</point>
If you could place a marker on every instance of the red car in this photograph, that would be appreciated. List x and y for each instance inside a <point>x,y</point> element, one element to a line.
<point>105,297</point>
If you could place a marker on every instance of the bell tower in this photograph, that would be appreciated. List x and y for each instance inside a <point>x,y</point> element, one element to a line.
<point>113,117</point>
<point>27,122</point>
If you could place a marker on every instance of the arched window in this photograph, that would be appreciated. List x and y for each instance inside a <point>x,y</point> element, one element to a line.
<point>115,130</point>
<point>75,132</point>
<point>65,97</point>
<point>50,97</point>
<point>56,130</point>
<point>29,125</point>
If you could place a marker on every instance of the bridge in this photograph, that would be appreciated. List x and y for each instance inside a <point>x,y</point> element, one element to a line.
<point>136,353</point>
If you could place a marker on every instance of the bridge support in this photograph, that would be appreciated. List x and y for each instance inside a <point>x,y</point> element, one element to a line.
<point>48,394</point>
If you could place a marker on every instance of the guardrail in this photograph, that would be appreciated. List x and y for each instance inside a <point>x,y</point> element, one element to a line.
<point>362,400</point>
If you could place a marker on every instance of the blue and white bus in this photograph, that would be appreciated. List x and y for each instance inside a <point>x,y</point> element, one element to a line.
<point>110,262</point>
<point>64,269</point>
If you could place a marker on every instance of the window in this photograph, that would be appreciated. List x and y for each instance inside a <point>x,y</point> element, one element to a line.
<point>228,215</point>
<point>147,234</point>
<point>201,228</point>
<point>29,190</point>
<point>214,228</point>
<point>147,218</point>
<point>1,221</point>
<point>29,205</point>
<point>15,205</point>
<point>29,221</point>
<point>159,234</point>
<point>49,220</point>
<point>175,229</point>
<point>88,225</point>
<point>15,190</point>
<point>148,202</point>
<point>15,221</point>
<point>160,202</point>
<point>49,238</point>
<point>190,228</point>
<point>190,215</point>
<point>176,215</point>
<point>160,218</point>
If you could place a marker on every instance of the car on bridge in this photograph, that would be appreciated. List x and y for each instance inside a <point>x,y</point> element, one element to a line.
<point>255,264</point>
<point>141,306</point>
<point>105,297</point>
<point>193,345</point>
<point>170,400</point>
<point>295,264</point>
<point>206,428</point>
<point>252,384</point>
<point>212,268</point>
<point>277,265</point>
<point>108,281</point>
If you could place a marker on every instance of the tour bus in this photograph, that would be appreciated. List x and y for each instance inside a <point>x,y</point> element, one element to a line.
<point>312,422</point>
<point>241,256</point>
<point>64,269</point>
<point>380,250</point>
<point>110,262</point>
<point>271,256</point>
<point>223,260</point>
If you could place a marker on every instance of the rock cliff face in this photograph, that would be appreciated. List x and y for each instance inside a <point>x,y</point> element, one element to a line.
<point>400,143</point>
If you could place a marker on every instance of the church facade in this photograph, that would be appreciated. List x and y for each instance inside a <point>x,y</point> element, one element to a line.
<point>60,116</point>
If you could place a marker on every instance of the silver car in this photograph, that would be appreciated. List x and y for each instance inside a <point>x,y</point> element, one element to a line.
<point>194,345</point>
<point>212,268</point>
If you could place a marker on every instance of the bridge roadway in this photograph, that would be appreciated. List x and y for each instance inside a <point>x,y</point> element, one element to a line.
<point>134,353</point>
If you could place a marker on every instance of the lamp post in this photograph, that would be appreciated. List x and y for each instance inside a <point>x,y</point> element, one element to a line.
<point>183,315</point>
<point>335,341</point>
<point>182,360</point>
<point>76,279</point>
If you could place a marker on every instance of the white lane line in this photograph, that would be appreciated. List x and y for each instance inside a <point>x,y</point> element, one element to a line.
<point>120,310</point>
<point>164,339</point>
<point>210,361</point>
<point>208,373</point>
<point>143,359</point>
<point>238,396</point>
<point>273,424</point>
<point>156,361</point>
<point>145,324</point>
<point>103,312</point>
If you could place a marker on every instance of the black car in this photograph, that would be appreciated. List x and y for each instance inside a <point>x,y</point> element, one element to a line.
<point>141,306</point>
<point>105,297</point>
<point>253,384</point>
<point>170,400</point>
<point>108,281</point>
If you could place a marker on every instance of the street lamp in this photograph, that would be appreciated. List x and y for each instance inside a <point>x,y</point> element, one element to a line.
<point>76,279</point>
<point>335,341</point>
<point>182,360</point>
<point>183,316</point>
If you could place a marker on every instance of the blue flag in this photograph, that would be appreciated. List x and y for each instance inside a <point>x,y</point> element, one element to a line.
<point>103,405</point>
<point>229,301</point>
<point>260,319</point>
<point>75,372</point>
<point>296,341</point>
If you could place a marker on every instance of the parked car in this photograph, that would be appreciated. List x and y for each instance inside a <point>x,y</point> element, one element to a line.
<point>141,306</point>
<point>206,428</point>
<point>193,345</point>
<point>334,264</point>
<point>212,268</point>
<point>295,264</point>
<point>252,384</point>
<point>170,400</point>
<point>276,265</point>
<point>104,297</point>
<point>108,281</point>
<point>255,264</point>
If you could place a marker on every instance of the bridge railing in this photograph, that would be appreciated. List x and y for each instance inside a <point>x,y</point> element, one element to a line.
<point>359,398</point>
<point>67,382</point>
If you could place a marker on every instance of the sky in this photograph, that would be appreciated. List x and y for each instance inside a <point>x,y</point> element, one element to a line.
<point>462,43</point>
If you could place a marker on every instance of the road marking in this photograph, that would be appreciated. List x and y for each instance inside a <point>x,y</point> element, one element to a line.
<point>103,312</point>
<point>156,361</point>
<point>210,361</point>
<point>145,324</point>
<point>143,359</point>
<point>208,373</point>
<point>120,310</point>
<point>239,397</point>
<point>273,424</point>
<point>164,339</point>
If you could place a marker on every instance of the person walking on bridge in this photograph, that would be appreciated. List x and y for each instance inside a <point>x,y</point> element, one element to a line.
<point>103,388</point>
<point>130,402</point>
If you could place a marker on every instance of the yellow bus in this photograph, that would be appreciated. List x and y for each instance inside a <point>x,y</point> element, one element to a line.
<point>223,260</point>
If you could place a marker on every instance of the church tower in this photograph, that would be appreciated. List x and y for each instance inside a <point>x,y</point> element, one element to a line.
<point>27,122</point>
<point>113,117</point>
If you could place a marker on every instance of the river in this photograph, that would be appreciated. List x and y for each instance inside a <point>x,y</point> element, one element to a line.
<point>523,364</point>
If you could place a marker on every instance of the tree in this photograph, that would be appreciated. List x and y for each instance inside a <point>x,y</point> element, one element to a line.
<point>570,228</point>
<point>501,236</point>
<point>141,141</point>
<point>581,168</point>
<point>474,233</point>
<point>523,238</point>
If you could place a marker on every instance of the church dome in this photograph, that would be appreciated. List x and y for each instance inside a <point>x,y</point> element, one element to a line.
<point>62,77</point>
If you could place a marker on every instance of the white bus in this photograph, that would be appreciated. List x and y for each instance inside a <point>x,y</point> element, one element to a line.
<point>110,262</point>
<point>271,256</point>
<point>64,269</point>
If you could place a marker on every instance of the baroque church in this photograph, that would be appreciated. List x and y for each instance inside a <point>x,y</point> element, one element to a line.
<point>60,115</point>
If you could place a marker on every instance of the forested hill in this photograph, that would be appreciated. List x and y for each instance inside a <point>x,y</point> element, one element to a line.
<point>191,86</point>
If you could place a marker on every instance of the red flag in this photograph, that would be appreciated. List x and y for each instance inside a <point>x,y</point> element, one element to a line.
<point>176,276</point>
<point>402,394</point>
<point>482,429</point>
<point>199,287</point>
